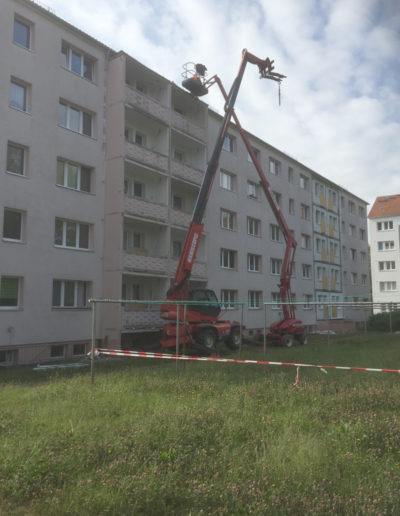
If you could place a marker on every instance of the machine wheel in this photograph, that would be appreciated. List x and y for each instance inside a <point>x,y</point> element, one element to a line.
<point>233,341</point>
<point>207,339</point>
<point>287,340</point>
<point>302,338</point>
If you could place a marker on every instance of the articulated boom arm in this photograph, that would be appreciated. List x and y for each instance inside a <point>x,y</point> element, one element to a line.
<point>179,286</point>
<point>288,260</point>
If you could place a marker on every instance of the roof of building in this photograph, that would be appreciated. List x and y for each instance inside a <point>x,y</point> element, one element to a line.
<point>385,206</point>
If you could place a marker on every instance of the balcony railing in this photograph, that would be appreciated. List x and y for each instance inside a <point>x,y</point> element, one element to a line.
<point>180,218</point>
<point>147,209</point>
<point>188,126</point>
<point>183,171</point>
<point>138,260</point>
<point>146,103</point>
<point>146,156</point>
<point>199,270</point>
<point>141,317</point>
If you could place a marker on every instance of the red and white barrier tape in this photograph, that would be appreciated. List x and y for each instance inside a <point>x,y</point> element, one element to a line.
<point>145,354</point>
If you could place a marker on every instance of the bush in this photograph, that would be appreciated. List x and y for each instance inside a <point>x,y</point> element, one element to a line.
<point>381,322</point>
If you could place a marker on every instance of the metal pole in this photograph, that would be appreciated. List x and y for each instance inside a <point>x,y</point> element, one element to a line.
<point>241,326</point>
<point>93,340</point>
<point>177,334</point>
<point>265,330</point>
<point>184,335</point>
<point>390,319</point>
<point>329,326</point>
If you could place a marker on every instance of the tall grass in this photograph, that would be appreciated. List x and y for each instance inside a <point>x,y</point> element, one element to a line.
<point>213,439</point>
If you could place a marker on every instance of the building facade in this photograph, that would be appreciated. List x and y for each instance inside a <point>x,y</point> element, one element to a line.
<point>101,163</point>
<point>384,227</point>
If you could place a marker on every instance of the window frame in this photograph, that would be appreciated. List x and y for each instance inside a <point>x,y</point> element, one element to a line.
<point>80,169</point>
<point>69,107</point>
<point>275,266</point>
<point>22,215</point>
<point>254,223</point>
<point>231,255</point>
<point>28,25</point>
<point>230,217</point>
<point>19,286</point>
<point>254,262</point>
<point>26,95</point>
<point>251,185</point>
<point>231,179</point>
<point>67,61</point>
<point>24,151</point>
<point>78,229</point>
<point>62,294</point>
<point>228,299</point>
<point>254,299</point>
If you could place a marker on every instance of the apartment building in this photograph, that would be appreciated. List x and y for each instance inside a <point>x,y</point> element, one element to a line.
<point>101,163</point>
<point>384,227</point>
<point>52,194</point>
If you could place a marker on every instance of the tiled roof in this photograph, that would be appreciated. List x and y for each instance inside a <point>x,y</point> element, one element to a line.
<point>385,206</point>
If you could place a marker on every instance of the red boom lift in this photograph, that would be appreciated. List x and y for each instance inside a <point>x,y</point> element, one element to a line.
<point>202,324</point>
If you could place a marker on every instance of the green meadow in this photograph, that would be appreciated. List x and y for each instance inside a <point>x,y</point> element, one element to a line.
<point>210,438</point>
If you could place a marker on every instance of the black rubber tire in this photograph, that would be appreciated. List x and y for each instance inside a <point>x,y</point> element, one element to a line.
<point>207,339</point>
<point>287,340</point>
<point>302,339</point>
<point>233,341</point>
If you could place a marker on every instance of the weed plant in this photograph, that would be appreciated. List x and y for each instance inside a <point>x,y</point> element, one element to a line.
<point>211,439</point>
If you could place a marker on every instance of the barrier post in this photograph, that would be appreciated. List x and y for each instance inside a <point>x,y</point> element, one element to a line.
<point>93,339</point>
<point>390,319</point>
<point>265,329</point>
<point>177,335</point>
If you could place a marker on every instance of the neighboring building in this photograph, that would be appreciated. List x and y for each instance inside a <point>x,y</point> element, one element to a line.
<point>101,163</point>
<point>384,227</point>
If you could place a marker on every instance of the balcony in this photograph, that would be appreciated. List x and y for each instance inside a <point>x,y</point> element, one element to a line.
<point>141,317</point>
<point>146,156</point>
<point>139,261</point>
<point>199,271</point>
<point>188,126</point>
<point>180,218</point>
<point>183,171</point>
<point>146,103</point>
<point>146,209</point>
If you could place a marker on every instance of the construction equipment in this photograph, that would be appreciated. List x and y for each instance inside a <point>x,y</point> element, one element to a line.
<point>199,322</point>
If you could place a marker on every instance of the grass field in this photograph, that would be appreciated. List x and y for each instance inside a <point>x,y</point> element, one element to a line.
<point>214,439</point>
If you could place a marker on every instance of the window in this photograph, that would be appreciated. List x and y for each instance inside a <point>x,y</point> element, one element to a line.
<point>256,154</point>
<point>276,266</point>
<point>13,225</point>
<point>77,62</point>
<point>74,235</point>
<point>229,143</point>
<point>176,249</point>
<point>307,301</point>
<point>364,279</point>
<point>351,207</point>
<point>133,240</point>
<point>254,299</point>
<point>353,254</point>
<point>361,211</point>
<point>304,182</point>
<point>276,300</point>
<point>278,198</point>
<point>227,181</point>
<point>387,266</point>
<point>291,206</point>
<point>352,230</point>
<point>79,349</point>
<point>305,241</point>
<point>387,286</point>
<point>71,175</point>
<point>362,234</point>
<point>57,351</point>
<point>228,259</point>
<point>253,262</point>
<point>228,299</point>
<point>75,119</point>
<point>319,189</point>
<point>16,159</point>
<point>252,190</point>
<point>274,166</point>
<point>19,95</point>
<point>177,202</point>
<point>363,257</point>
<point>306,271</point>
<point>10,292</point>
<point>354,278</point>
<point>70,294</point>
<point>22,33</point>
<point>290,175</point>
<point>253,226</point>
<point>386,245</point>
<point>179,155</point>
<point>274,232</point>
<point>385,226</point>
<point>305,211</point>
<point>228,220</point>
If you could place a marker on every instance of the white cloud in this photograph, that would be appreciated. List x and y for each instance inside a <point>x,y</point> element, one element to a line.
<point>341,101</point>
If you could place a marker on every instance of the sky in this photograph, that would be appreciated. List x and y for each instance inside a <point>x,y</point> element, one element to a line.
<point>340,103</point>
